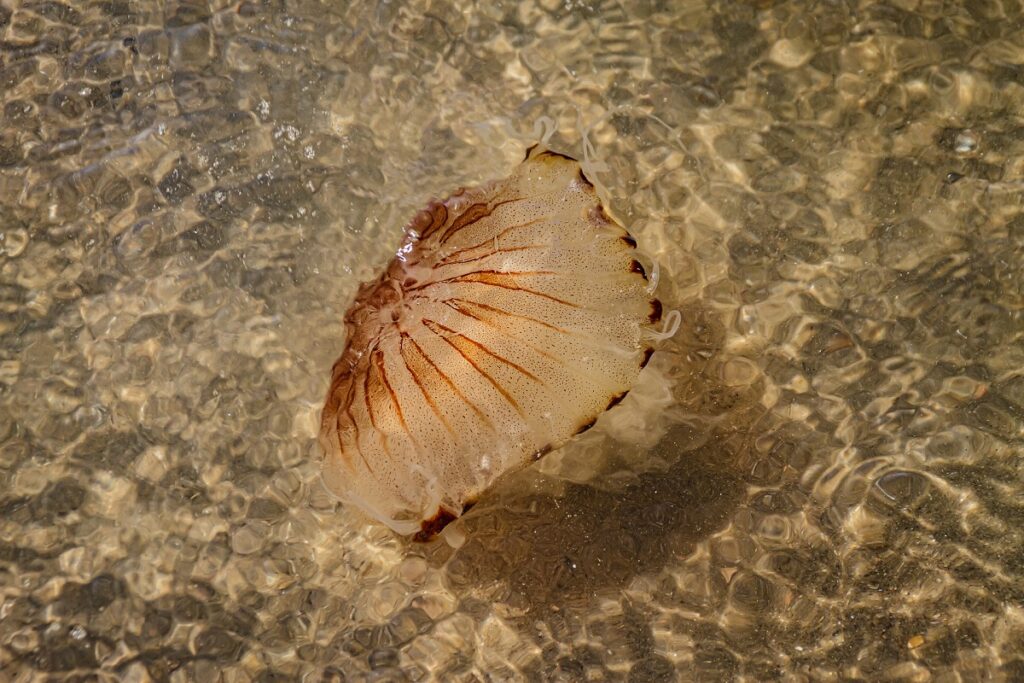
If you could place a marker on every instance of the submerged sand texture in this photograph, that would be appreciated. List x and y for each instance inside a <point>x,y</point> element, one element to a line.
<point>819,477</point>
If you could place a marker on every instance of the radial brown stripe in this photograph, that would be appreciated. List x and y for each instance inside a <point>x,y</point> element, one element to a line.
<point>355,427</point>
<point>339,412</point>
<point>464,277</point>
<point>423,390</point>
<point>369,410</point>
<point>438,216</point>
<point>471,215</point>
<point>492,279</point>
<point>491,253</point>
<point>483,347</point>
<point>452,303</point>
<point>494,383</point>
<point>501,311</point>
<point>379,362</point>
<point>497,237</point>
<point>571,368</point>
<point>343,386</point>
<point>450,383</point>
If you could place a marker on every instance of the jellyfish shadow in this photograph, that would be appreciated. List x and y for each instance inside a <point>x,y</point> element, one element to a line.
<point>539,551</point>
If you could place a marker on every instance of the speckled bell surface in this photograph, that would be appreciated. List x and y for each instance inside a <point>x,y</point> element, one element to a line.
<point>510,318</point>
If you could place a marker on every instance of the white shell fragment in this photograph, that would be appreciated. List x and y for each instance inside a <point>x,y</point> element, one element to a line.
<point>510,318</point>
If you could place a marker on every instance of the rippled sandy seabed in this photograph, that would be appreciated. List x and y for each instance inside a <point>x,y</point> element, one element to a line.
<point>819,478</point>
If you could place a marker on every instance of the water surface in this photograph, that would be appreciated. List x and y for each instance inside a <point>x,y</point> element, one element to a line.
<point>818,478</point>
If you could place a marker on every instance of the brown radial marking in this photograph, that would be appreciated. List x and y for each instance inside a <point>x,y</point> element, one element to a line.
<point>438,217</point>
<point>490,240</point>
<point>501,311</point>
<point>355,426</point>
<point>586,425</point>
<point>369,410</point>
<point>628,239</point>
<point>647,357</point>
<point>483,347</point>
<point>541,452</point>
<point>655,315</point>
<point>433,526</point>
<point>452,303</point>
<point>490,271</point>
<point>529,150</point>
<point>635,267</point>
<point>464,277</point>
<point>493,278</point>
<point>446,262</point>
<point>338,375</point>
<point>423,389</point>
<point>449,382</point>
<point>500,389</point>
<point>378,359</point>
<point>616,400</point>
<point>471,215</point>
<point>335,404</point>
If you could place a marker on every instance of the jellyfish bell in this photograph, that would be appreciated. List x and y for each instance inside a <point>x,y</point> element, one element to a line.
<point>512,315</point>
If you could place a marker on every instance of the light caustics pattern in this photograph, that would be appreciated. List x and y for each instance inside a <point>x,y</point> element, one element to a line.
<point>511,317</point>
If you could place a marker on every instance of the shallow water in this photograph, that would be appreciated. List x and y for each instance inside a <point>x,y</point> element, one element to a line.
<point>818,478</point>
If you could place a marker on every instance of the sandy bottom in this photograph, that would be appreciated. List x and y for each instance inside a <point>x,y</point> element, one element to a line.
<point>818,478</point>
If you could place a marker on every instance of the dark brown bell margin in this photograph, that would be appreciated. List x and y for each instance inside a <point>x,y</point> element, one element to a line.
<point>586,425</point>
<point>529,151</point>
<point>433,526</point>
<point>541,452</point>
<point>552,153</point>
<point>655,315</point>
<point>647,357</point>
<point>585,180</point>
<point>616,400</point>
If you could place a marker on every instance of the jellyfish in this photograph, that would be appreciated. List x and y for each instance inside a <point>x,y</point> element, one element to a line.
<point>511,316</point>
